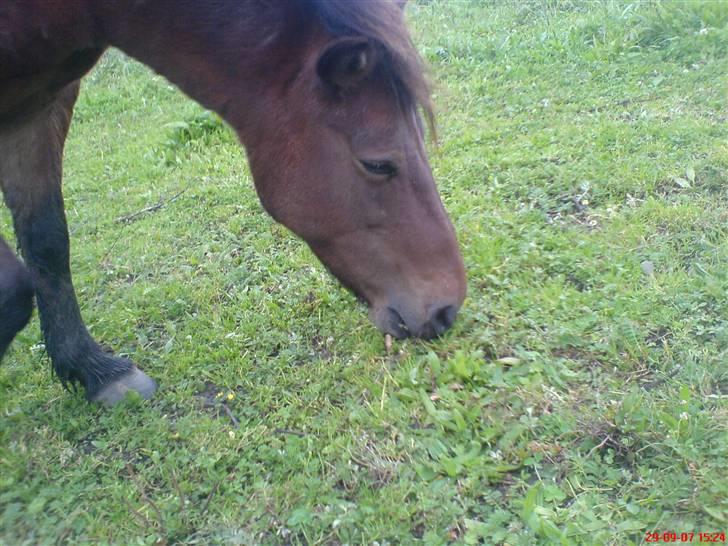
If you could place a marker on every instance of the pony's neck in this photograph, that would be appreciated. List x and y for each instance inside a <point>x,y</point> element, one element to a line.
<point>223,54</point>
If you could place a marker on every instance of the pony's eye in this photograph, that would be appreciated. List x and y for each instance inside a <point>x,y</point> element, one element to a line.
<point>379,168</point>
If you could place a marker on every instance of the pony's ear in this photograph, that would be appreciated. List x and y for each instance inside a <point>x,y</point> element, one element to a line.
<point>401,3</point>
<point>345,62</point>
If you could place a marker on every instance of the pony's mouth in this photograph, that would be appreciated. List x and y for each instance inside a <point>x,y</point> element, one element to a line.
<point>397,326</point>
<point>388,321</point>
<point>360,297</point>
<point>391,320</point>
<point>401,315</point>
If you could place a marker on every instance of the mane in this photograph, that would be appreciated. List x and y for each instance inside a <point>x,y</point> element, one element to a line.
<point>382,22</point>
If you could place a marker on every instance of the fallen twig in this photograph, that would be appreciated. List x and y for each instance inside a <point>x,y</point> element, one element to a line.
<point>288,431</point>
<point>144,495</point>
<point>129,217</point>
<point>134,512</point>
<point>598,446</point>
<point>209,497</point>
<point>229,413</point>
<point>180,495</point>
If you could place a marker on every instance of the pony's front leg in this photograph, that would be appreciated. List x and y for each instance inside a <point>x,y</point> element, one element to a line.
<point>30,175</point>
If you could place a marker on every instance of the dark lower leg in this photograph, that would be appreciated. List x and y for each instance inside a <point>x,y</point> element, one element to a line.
<point>43,237</point>
<point>75,356</point>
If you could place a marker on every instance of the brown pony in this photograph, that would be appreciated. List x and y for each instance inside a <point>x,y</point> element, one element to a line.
<point>324,95</point>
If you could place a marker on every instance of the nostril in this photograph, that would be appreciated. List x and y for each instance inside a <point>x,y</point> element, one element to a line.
<point>443,318</point>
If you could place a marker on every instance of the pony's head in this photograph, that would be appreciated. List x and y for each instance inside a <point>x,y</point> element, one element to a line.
<point>339,158</point>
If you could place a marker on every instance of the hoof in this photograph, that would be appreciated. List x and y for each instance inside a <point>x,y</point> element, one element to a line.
<point>135,380</point>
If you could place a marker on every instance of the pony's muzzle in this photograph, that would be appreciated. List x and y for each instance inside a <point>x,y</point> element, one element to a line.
<point>402,323</point>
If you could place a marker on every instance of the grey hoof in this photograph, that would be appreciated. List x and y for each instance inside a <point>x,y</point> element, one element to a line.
<point>135,380</point>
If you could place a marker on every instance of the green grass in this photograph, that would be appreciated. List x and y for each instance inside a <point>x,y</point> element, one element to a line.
<point>578,400</point>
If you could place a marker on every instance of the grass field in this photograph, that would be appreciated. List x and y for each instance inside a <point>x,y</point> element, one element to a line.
<point>582,397</point>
